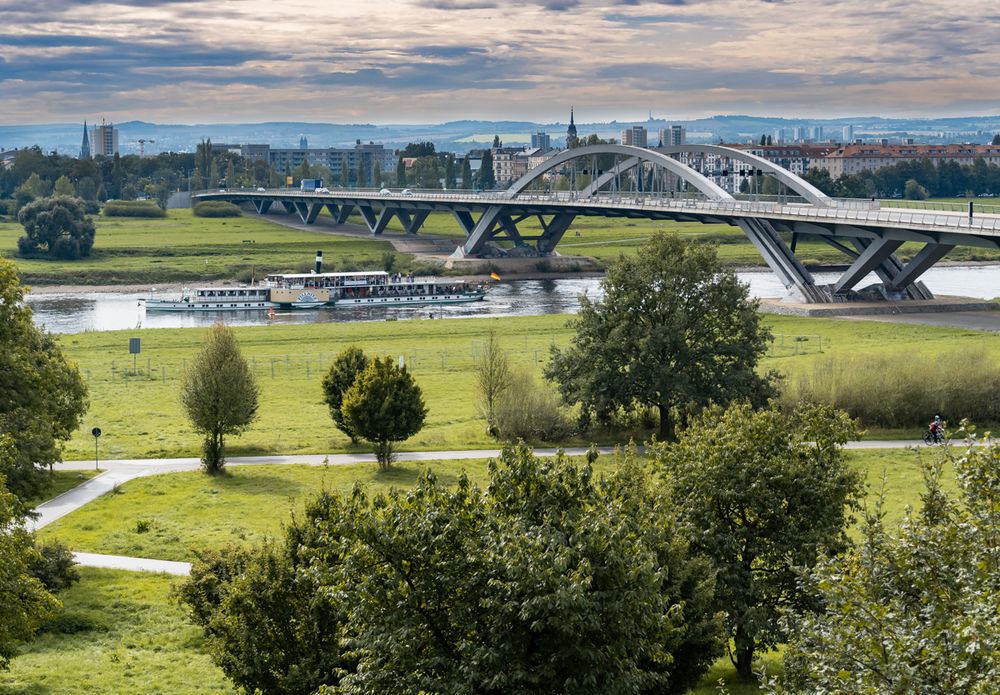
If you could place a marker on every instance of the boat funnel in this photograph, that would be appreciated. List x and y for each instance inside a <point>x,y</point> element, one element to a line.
<point>319,262</point>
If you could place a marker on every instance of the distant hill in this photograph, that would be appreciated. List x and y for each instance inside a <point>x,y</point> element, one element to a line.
<point>465,134</point>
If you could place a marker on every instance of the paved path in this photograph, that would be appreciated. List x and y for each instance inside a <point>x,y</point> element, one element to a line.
<point>135,564</point>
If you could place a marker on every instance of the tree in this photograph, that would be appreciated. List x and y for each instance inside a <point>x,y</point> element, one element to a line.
<point>342,375</point>
<point>466,172</point>
<point>763,494</point>
<point>25,602</point>
<point>492,379</point>
<point>220,394</point>
<point>548,580</point>
<point>362,175</point>
<point>497,143</point>
<point>377,174</point>
<point>42,397</point>
<point>401,173</point>
<point>914,191</point>
<point>675,331</point>
<point>384,405</point>
<point>996,139</point>
<point>487,179</point>
<point>59,226</point>
<point>449,171</point>
<point>270,627</point>
<point>64,187</point>
<point>911,609</point>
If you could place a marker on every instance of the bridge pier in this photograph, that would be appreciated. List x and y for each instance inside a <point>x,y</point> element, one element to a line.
<point>261,206</point>
<point>780,258</point>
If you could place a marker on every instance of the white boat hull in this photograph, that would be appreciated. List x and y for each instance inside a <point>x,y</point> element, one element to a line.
<point>163,305</point>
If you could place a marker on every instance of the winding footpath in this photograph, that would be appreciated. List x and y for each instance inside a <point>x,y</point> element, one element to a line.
<point>118,472</point>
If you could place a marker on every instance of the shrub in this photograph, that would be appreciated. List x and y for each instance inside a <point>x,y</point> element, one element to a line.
<point>133,208</point>
<point>216,208</point>
<point>55,566</point>
<point>530,410</point>
<point>902,388</point>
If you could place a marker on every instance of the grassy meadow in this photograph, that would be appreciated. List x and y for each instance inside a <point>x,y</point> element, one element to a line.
<point>119,632</point>
<point>141,415</point>
<point>185,248</point>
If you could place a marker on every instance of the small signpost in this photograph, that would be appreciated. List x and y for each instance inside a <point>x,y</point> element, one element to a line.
<point>133,349</point>
<point>97,436</point>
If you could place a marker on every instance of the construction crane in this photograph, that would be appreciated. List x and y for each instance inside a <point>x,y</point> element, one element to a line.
<point>142,145</point>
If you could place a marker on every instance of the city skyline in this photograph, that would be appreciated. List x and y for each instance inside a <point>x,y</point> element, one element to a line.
<point>421,61</point>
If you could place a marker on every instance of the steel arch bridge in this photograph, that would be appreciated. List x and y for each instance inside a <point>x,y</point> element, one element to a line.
<point>635,185</point>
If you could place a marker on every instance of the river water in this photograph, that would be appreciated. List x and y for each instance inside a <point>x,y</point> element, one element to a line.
<point>108,311</point>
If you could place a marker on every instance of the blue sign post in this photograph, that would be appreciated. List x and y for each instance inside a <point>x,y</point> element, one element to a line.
<point>133,349</point>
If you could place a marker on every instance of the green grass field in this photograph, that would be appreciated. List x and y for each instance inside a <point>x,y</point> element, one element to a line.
<point>118,633</point>
<point>184,248</point>
<point>141,415</point>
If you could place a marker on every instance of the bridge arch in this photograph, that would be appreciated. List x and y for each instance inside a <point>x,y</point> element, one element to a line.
<point>639,154</point>
<point>792,181</point>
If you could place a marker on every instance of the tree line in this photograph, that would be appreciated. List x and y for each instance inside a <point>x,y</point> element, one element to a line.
<point>947,179</point>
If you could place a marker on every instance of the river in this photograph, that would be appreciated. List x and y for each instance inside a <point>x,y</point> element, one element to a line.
<point>108,311</point>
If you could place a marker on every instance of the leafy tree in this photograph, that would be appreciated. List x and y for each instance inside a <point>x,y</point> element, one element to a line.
<point>231,174</point>
<point>362,175</point>
<point>64,187</point>
<point>549,580</point>
<point>996,139</point>
<point>914,191</point>
<point>912,609</point>
<point>401,172</point>
<point>377,174</point>
<point>57,225</point>
<point>492,379</point>
<point>270,626</point>
<point>764,494</point>
<point>25,602</point>
<point>418,149</point>
<point>86,189</point>
<point>219,394</point>
<point>497,142</point>
<point>487,179</point>
<point>384,405</point>
<point>345,171</point>
<point>763,140</point>
<point>675,331</point>
<point>449,171</point>
<point>466,172</point>
<point>426,172</point>
<point>42,397</point>
<point>342,375</point>
<point>34,186</point>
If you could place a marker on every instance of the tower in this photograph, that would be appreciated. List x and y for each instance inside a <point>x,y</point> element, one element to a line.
<point>85,147</point>
<point>571,138</point>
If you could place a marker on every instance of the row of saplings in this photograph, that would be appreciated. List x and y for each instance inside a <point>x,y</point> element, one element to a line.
<point>555,578</point>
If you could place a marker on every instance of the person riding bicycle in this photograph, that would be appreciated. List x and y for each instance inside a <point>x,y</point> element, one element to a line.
<point>936,428</point>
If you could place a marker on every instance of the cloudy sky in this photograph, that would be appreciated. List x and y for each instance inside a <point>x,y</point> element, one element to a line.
<point>411,61</point>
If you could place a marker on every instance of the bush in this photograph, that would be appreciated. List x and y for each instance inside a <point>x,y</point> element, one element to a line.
<point>55,566</point>
<point>133,208</point>
<point>903,389</point>
<point>530,411</point>
<point>216,208</point>
<point>6,206</point>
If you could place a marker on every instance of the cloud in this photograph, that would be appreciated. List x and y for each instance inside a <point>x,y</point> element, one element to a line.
<point>396,60</point>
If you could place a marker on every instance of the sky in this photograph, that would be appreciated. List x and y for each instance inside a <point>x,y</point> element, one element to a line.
<point>429,61</point>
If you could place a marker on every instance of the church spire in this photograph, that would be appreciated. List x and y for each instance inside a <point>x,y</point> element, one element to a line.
<point>571,131</point>
<point>85,146</point>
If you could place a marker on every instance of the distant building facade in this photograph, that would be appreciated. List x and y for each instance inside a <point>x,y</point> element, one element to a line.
<point>855,158</point>
<point>541,139</point>
<point>333,158</point>
<point>673,135</point>
<point>635,136</point>
<point>104,140</point>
